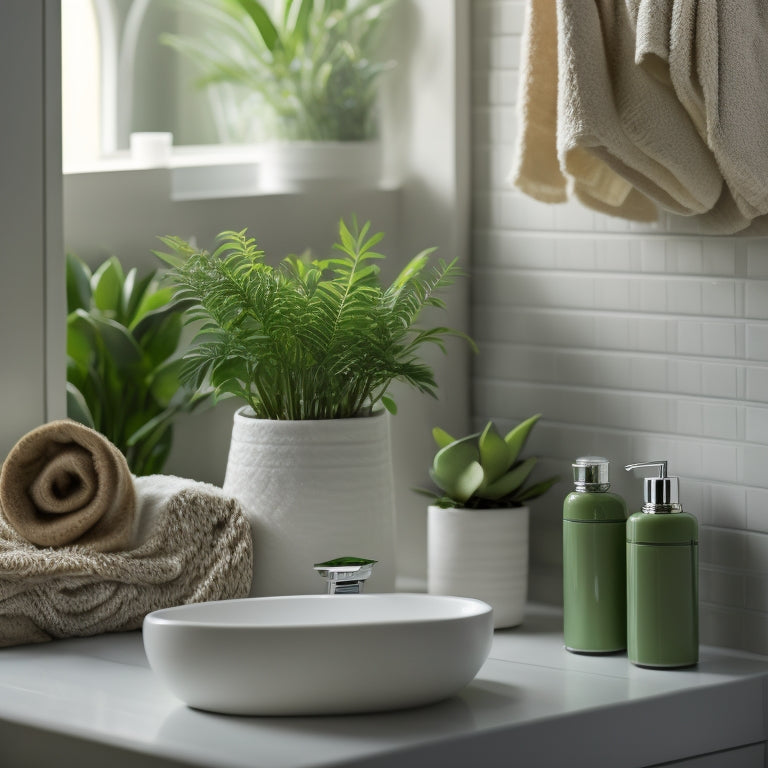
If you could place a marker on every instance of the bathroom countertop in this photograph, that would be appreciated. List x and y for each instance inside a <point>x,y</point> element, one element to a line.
<point>94,701</point>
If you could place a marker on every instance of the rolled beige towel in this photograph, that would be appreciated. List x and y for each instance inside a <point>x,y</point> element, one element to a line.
<point>64,483</point>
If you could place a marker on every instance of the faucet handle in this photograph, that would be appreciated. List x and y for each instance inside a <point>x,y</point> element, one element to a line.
<point>345,575</point>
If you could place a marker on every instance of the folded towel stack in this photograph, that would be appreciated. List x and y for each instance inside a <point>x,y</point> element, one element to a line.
<point>644,104</point>
<point>179,541</point>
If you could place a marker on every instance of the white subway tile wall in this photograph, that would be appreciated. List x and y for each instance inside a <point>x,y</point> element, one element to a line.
<point>637,342</point>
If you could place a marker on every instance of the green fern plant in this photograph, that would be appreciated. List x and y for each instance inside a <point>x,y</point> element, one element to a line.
<point>311,64</point>
<point>307,339</point>
<point>484,470</point>
<point>123,360</point>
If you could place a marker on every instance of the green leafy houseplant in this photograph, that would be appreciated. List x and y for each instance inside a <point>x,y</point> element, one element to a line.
<point>307,339</point>
<point>123,334</point>
<point>311,64</point>
<point>484,470</point>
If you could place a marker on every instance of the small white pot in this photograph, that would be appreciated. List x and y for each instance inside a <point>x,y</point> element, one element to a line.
<point>481,553</point>
<point>302,165</point>
<point>313,491</point>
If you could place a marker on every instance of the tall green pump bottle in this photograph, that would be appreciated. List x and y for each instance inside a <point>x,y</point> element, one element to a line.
<point>594,566</point>
<point>662,577</point>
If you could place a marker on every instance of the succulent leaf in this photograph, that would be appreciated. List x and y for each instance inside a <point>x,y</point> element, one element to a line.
<point>509,483</point>
<point>476,471</point>
<point>534,491</point>
<point>515,438</point>
<point>494,454</point>
<point>452,460</point>
<point>467,483</point>
<point>442,438</point>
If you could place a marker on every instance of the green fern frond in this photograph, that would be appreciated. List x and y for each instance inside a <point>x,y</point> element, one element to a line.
<point>306,339</point>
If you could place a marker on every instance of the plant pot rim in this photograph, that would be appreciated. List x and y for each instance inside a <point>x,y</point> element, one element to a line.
<point>246,414</point>
<point>322,143</point>
<point>470,511</point>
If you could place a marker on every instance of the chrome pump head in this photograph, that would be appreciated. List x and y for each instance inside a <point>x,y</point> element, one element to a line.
<point>661,494</point>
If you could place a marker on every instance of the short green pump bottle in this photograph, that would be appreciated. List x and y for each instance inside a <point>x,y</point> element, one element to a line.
<point>594,564</point>
<point>662,577</point>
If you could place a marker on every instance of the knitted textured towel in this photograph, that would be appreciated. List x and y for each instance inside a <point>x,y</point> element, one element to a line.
<point>192,543</point>
<point>64,483</point>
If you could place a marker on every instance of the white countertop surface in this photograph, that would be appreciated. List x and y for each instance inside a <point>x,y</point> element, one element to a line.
<point>532,703</point>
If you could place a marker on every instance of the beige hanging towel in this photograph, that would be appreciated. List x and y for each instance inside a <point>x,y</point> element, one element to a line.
<point>625,116</point>
<point>536,167</point>
<point>191,543</point>
<point>652,22</point>
<point>63,483</point>
<point>717,58</point>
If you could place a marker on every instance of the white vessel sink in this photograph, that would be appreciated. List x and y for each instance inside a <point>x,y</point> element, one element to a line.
<point>319,654</point>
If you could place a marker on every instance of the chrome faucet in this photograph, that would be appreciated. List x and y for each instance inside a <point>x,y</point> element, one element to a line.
<point>345,575</point>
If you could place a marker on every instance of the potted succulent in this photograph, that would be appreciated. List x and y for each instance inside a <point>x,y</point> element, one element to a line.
<point>124,360</point>
<point>477,525</point>
<point>304,76</point>
<point>311,347</point>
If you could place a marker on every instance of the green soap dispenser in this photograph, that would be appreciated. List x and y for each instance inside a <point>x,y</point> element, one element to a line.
<point>594,562</point>
<point>662,577</point>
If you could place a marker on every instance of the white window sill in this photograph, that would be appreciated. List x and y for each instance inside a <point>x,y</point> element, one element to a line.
<point>181,157</point>
<point>208,172</point>
<point>195,172</point>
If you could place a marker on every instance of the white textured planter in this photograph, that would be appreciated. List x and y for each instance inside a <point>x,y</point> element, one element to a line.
<point>313,491</point>
<point>481,553</point>
<point>307,164</point>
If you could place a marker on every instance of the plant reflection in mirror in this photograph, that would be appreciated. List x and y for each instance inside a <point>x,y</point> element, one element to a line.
<point>307,71</point>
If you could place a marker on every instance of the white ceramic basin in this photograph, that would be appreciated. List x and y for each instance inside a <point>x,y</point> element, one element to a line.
<point>319,654</point>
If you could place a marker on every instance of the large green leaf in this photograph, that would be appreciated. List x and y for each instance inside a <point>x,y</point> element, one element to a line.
<point>300,34</point>
<point>118,343</point>
<point>81,336</point>
<point>148,449</point>
<point>78,284</point>
<point>107,285</point>
<point>134,289</point>
<point>263,22</point>
<point>165,383</point>
<point>161,342</point>
<point>151,301</point>
<point>77,408</point>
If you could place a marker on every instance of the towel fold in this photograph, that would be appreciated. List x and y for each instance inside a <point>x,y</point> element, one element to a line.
<point>652,24</point>
<point>537,170</point>
<point>624,116</point>
<point>64,483</point>
<point>191,544</point>
<point>716,57</point>
<point>628,106</point>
